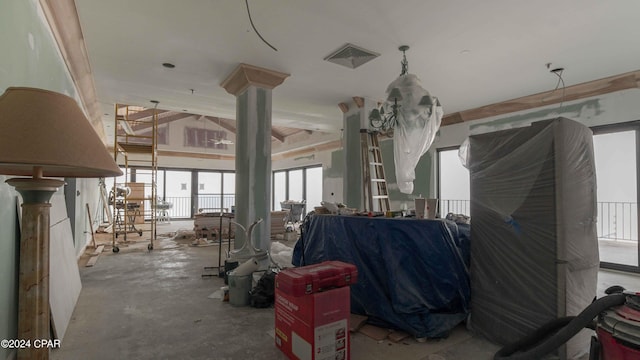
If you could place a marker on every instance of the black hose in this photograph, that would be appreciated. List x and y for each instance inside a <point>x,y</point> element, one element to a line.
<point>540,342</point>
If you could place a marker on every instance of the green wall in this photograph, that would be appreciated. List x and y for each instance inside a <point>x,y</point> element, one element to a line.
<point>29,58</point>
<point>352,179</point>
<point>421,185</point>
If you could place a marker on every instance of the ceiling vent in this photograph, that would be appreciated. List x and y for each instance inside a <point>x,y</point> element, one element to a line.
<point>351,56</point>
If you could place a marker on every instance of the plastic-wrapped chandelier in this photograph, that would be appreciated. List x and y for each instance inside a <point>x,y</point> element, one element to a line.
<point>407,84</point>
<point>414,119</point>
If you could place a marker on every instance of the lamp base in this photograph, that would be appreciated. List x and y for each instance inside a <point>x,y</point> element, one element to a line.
<point>33,293</point>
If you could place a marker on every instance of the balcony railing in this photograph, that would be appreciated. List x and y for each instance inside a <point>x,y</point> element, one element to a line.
<point>618,221</point>
<point>454,206</point>
<point>182,207</point>
<point>615,220</point>
<point>216,201</point>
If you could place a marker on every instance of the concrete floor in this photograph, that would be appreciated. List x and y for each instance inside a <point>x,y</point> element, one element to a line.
<point>155,305</point>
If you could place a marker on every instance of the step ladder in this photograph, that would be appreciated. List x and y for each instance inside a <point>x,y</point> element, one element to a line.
<point>376,194</point>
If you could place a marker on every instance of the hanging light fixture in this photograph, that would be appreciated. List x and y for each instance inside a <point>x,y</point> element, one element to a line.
<point>413,118</point>
<point>401,92</point>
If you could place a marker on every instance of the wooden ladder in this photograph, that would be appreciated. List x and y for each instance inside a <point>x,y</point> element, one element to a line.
<point>374,182</point>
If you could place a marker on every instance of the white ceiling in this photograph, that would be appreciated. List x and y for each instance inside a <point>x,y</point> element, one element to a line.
<point>468,53</point>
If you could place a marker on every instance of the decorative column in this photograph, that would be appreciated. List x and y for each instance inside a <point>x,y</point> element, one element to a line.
<point>252,87</point>
<point>33,292</point>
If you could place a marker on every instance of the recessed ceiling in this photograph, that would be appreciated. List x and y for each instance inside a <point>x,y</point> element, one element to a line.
<point>468,53</point>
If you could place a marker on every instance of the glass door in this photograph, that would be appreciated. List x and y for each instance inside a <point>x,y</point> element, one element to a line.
<point>210,191</point>
<point>616,159</point>
<point>453,184</point>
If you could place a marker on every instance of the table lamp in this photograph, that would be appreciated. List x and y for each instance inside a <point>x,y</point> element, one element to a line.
<point>43,133</point>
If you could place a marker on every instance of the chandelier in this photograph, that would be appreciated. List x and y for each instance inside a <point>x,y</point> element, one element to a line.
<point>402,92</point>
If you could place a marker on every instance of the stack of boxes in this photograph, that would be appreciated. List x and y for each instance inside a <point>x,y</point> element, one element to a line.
<point>312,309</point>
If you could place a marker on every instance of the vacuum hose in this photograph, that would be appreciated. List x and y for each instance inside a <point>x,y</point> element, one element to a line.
<point>539,343</point>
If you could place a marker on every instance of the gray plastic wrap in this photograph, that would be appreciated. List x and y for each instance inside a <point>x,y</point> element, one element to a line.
<point>534,254</point>
<point>416,128</point>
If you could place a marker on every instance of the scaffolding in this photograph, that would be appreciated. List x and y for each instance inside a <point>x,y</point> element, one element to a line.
<point>135,145</point>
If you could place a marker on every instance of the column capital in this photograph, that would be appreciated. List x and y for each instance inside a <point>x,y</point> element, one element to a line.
<point>245,75</point>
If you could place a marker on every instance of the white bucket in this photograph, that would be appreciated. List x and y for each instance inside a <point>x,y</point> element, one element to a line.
<point>432,208</point>
<point>239,287</point>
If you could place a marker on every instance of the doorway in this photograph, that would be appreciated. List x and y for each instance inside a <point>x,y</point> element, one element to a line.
<point>616,158</point>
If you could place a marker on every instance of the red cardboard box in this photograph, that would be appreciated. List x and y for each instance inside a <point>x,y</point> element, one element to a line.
<point>317,277</point>
<point>312,324</point>
<point>315,326</point>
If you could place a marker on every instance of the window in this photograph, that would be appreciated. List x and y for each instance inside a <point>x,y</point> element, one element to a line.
<point>298,185</point>
<point>228,189</point>
<point>279,188</point>
<point>615,151</point>
<point>178,192</point>
<point>453,184</point>
<point>313,183</point>
<point>210,190</point>
<point>162,133</point>
<point>203,138</point>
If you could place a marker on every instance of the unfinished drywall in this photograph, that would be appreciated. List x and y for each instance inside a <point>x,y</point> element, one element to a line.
<point>605,109</point>
<point>332,178</point>
<point>30,57</point>
<point>612,108</point>
<point>421,184</point>
<point>8,264</point>
<point>352,180</point>
<point>83,191</point>
<point>253,165</point>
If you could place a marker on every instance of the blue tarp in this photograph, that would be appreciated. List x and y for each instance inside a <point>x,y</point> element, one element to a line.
<point>412,274</point>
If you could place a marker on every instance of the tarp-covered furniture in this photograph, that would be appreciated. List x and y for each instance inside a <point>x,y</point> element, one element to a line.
<point>411,273</point>
<point>534,254</point>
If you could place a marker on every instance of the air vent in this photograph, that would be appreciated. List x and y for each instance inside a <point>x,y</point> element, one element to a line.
<point>351,56</point>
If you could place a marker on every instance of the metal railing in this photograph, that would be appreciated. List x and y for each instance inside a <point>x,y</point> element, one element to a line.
<point>216,201</point>
<point>454,206</point>
<point>615,220</point>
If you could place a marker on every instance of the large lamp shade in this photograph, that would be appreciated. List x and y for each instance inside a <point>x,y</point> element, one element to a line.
<point>43,133</point>
<point>45,129</point>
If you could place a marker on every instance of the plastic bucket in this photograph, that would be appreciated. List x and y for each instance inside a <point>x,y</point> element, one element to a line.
<point>239,287</point>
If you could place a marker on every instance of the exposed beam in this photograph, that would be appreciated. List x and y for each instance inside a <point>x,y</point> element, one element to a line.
<point>144,114</point>
<point>630,80</point>
<point>185,154</point>
<point>277,135</point>
<point>195,155</point>
<point>226,124</point>
<point>161,121</point>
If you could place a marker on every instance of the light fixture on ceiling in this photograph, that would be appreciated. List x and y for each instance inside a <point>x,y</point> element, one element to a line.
<point>220,141</point>
<point>405,99</point>
<point>168,65</point>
